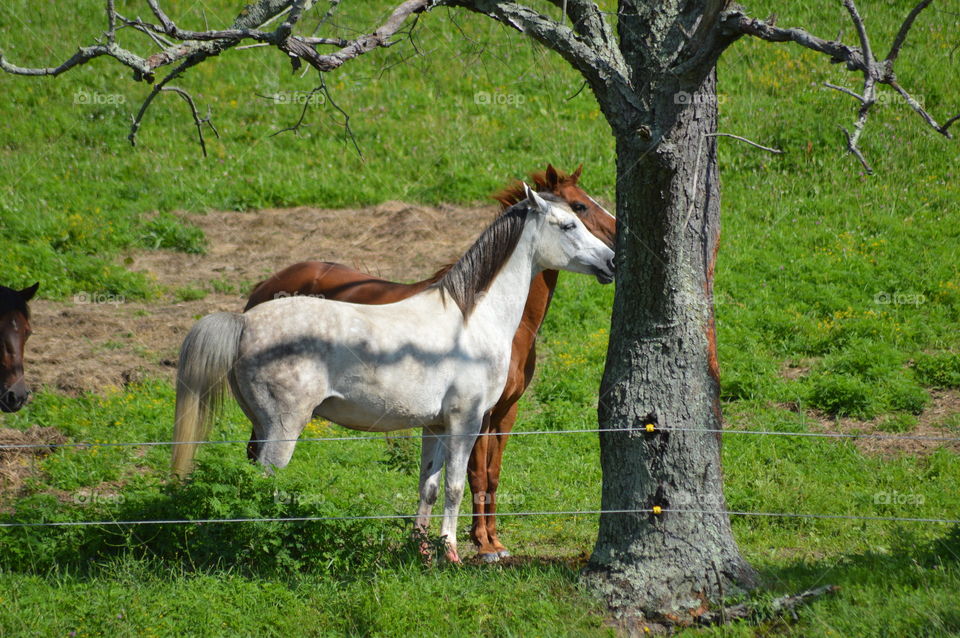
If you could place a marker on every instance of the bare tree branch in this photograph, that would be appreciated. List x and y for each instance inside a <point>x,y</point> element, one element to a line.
<point>157,88</point>
<point>363,44</point>
<point>82,56</point>
<point>587,20</point>
<point>735,21</point>
<point>197,120</point>
<point>192,47</point>
<point>901,36</point>
<point>600,62</point>
<point>111,23</point>
<point>844,89</point>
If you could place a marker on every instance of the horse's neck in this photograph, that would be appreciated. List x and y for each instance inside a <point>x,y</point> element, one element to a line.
<point>506,296</point>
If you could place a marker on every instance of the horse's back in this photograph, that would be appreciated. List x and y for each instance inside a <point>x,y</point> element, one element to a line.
<point>329,280</point>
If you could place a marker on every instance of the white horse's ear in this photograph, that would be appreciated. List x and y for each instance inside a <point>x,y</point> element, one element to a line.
<point>538,202</point>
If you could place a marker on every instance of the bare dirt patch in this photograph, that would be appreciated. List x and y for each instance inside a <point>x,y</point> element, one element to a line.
<point>944,403</point>
<point>94,341</point>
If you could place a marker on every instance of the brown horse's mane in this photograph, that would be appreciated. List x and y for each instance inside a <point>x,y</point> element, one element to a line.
<point>514,193</point>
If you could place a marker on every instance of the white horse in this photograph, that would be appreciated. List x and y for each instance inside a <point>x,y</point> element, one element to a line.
<point>437,360</point>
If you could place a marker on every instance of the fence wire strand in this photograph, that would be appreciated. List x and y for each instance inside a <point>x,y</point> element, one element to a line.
<point>374,517</point>
<point>387,436</point>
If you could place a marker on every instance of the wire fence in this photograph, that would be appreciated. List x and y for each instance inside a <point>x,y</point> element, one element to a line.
<point>654,511</point>
<point>639,431</point>
<point>646,430</point>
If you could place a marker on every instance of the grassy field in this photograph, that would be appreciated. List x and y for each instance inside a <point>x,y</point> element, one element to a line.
<point>837,295</point>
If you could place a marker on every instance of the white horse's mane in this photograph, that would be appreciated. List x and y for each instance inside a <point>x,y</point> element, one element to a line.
<point>476,269</point>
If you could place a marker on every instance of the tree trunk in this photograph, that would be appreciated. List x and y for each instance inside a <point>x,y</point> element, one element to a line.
<point>662,370</point>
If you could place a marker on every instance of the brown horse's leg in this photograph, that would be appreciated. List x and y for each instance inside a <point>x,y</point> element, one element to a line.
<point>477,475</point>
<point>501,422</point>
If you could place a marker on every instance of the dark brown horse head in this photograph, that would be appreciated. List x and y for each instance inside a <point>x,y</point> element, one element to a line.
<point>594,216</point>
<point>14,332</point>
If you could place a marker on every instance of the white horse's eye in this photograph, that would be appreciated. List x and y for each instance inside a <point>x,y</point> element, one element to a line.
<point>568,226</point>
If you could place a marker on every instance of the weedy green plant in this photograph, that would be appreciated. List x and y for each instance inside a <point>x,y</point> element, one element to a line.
<point>939,370</point>
<point>167,231</point>
<point>340,547</point>
<point>402,452</point>
<point>865,379</point>
<point>189,293</point>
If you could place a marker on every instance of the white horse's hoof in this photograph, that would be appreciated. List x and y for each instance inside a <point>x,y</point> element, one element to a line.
<point>503,554</point>
<point>489,558</point>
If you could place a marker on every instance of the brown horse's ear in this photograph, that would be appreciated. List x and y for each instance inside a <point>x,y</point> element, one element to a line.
<point>575,176</point>
<point>552,177</point>
<point>27,293</point>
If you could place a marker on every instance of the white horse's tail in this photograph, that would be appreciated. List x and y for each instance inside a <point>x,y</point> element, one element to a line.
<point>206,358</point>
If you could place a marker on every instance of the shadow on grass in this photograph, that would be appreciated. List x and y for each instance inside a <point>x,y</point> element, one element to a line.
<point>908,588</point>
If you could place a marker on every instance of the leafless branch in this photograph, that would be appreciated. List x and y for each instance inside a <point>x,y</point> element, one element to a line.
<point>186,48</point>
<point>861,31</point>
<point>843,89</point>
<point>775,151</point>
<point>950,121</point>
<point>901,36</point>
<point>861,59</point>
<point>596,56</point>
<point>363,44</point>
<point>111,22</point>
<point>82,56</point>
<point>852,144</point>
<point>295,128</point>
<point>157,88</point>
<point>587,20</point>
<point>347,131</point>
<point>197,120</point>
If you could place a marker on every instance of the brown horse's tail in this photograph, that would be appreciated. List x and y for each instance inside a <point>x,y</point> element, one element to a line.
<point>207,357</point>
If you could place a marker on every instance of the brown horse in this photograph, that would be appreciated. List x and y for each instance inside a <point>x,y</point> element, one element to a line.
<point>341,283</point>
<point>14,332</point>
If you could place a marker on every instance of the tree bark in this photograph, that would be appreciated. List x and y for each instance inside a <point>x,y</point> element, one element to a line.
<point>662,370</point>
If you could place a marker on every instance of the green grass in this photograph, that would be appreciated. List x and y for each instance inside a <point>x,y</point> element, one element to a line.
<point>854,279</point>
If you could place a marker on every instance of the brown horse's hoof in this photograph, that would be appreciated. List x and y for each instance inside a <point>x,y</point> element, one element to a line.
<point>489,558</point>
<point>504,554</point>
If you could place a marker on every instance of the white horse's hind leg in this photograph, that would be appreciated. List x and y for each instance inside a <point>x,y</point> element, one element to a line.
<point>280,434</point>
<point>458,449</point>
<point>253,446</point>
<point>277,423</point>
<point>431,462</point>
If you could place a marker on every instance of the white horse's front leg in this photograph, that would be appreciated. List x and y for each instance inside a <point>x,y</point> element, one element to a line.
<point>459,445</point>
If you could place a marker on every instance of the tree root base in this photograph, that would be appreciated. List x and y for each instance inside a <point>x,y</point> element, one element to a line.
<point>754,612</point>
